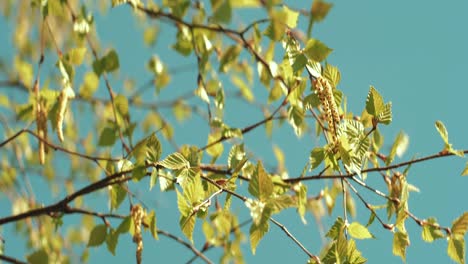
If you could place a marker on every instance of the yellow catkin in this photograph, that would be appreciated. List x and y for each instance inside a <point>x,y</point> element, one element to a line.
<point>65,95</point>
<point>41,124</point>
<point>138,214</point>
<point>325,94</point>
<point>63,100</point>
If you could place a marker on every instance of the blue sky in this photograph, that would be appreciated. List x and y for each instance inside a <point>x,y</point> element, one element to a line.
<point>413,52</point>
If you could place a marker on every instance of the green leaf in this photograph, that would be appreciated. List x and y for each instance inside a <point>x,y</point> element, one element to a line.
<point>117,195</point>
<point>385,116</point>
<point>354,255</point>
<point>261,185</point>
<point>175,161</point>
<point>456,249</point>
<point>111,61</point>
<point>243,87</point>
<point>125,225</point>
<point>296,119</point>
<point>257,232</point>
<point>358,231</point>
<point>291,17</point>
<point>223,13</point>
<point>76,55</point>
<point>431,233</point>
<point>111,241</point>
<point>121,104</point>
<point>311,101</point>
<point>374,102</point>
<point>108,137</point>
<point>400,243</point>
<point>317,155</point>
<point>442,131</point>
<point>460,225</point>
<point>151,221</point>
<point>217,149</point>
<point>320,10</point>
<point>332,74</point>
<point>316,50</point>
<point>38,257</point>
<point>97,236</point>
<point>398,148</point>
<point>336,229</point>
<point>89,86</point>
<point>245,3</point>
<point>465,170</point>
<point>229,57</point>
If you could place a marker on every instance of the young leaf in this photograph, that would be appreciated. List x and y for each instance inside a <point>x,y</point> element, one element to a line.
<point>400,243</point>
<point>111,241</point>
<point>97,236</point>
<point>398,148</point>
<point>261,185</point>
<point>151,222</point>
<point>229,57</point>
<point>460,225</point>
<point>111,61</point>
<point>175,161</point>
<point>358,231</point>
<point>374,102</point>
<point>442,131</point>
<point>222,14</point>
<point>431,233</point>
<point>316,157</point>
<point>108,137</point>
<point>291,17</point>
<point>465,170</point>
<point>336,229</point>
<point>316,50</point>
<point>256,234</point>
<point>456,249</point>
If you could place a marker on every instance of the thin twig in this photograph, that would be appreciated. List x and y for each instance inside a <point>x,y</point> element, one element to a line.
<point>11,260</point>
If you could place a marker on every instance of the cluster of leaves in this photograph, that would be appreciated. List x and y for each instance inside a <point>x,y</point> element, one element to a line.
<point>351,143</point>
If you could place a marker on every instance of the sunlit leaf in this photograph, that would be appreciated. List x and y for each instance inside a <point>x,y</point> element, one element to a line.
<point>317,155</point>
<point>456,249</point>
<point>256,234</point>
<point>460,225</point>
<point>316,50</point>
<point>400,243</point>
<point>374,102</point>
<point>430,232</point>
<point>174,161</point>
<point>261,185</point>
<point>358,231</point>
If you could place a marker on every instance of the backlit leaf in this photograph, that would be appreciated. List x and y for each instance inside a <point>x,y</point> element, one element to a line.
<point>316,50</point>
<point>431,233</point>
<point>358,231</point>
<point>460,225</point>
<point>456,249</point>
<point>317,155</point>
<point>175,161</point>
<point>374,102</point>
<point>400,243</point>
<point>261,185</point>
<point>256,234</point>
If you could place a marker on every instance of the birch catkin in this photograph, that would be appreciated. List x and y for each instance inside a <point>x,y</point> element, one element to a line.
<point>138,214</point>
<point>66,94</point>
<point>325,94</point>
